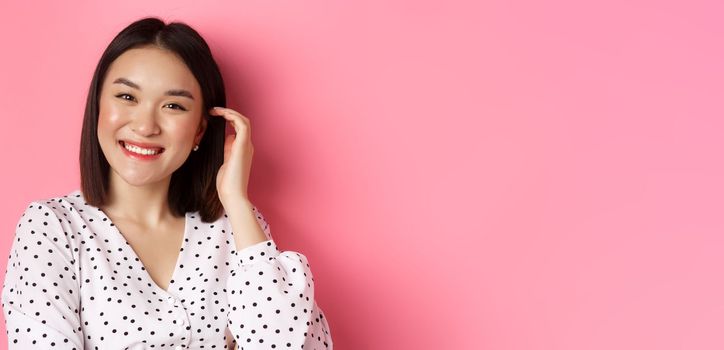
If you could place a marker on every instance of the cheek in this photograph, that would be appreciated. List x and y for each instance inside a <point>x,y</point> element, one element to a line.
<point>109,113</point>
<point>183,128</point>
<point>109,121</point>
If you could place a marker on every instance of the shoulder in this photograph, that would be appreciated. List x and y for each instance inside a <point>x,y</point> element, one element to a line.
<point>46,223</point>
<point>63,210</point>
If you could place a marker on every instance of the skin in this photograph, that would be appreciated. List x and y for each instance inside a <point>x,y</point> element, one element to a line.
<point>139,189</point>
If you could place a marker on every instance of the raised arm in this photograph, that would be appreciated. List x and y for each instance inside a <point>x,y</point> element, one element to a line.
<point>271,297</point>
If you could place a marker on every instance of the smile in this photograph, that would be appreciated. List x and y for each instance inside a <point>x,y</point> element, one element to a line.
<point>140,152</point>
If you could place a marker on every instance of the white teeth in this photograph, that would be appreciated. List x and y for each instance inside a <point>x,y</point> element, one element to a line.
<point>139,150</point>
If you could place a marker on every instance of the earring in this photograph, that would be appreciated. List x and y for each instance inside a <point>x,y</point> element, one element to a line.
<point>196,148</point>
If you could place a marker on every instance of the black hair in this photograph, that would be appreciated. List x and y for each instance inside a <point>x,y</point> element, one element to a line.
<point>193,185</point>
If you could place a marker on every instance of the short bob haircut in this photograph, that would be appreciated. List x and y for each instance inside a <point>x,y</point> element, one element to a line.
<point>193,185</point>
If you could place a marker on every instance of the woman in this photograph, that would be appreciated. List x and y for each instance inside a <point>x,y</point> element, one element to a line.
<point>161,247</point>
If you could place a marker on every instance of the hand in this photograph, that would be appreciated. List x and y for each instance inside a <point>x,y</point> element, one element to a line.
<point>232,180</point>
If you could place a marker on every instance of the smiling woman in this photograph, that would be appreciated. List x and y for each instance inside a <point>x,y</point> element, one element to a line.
<point>161,246</point>
<point>136,104</point>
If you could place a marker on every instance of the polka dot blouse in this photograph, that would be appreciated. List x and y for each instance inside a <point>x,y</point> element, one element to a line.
<point>74,282</point>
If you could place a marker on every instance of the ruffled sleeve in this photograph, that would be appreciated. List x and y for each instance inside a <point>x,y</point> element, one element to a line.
<point>40,294</point>
<point>271,299</point>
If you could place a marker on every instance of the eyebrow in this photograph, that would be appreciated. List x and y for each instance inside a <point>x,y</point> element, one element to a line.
<point>174,92</point>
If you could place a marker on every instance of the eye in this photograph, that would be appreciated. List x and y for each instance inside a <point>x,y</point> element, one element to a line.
<point>126,97</point>
<point>176,106</point>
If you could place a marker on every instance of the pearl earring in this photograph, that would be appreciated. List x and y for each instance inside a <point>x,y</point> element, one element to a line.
<point>196,148</point>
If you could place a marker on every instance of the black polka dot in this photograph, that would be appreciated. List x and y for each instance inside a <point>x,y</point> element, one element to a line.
<point>69,262</point>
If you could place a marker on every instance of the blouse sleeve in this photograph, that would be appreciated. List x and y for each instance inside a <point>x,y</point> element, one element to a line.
<point>271,299</point>
<point>40,294</point>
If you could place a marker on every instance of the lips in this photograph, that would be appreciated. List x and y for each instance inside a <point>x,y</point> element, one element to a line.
<point>148,146</point>
<point>153,152</point>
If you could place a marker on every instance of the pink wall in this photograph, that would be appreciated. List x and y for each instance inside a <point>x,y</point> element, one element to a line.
<point>479,175</point>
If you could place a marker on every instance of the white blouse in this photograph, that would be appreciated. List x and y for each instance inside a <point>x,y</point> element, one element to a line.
<point>74,282</point>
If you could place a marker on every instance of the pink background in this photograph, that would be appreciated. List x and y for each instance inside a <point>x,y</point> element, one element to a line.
<point>461,175</point>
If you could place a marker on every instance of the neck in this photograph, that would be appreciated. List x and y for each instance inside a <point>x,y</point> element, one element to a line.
<point>146,205</point>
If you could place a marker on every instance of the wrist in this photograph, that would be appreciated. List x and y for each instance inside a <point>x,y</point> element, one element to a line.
<point>236,204</point>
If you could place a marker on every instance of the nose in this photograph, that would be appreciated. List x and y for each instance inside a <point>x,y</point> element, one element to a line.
<point>144,123</point>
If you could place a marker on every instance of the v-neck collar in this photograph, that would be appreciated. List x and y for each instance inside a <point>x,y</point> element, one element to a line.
<point>146,275</point>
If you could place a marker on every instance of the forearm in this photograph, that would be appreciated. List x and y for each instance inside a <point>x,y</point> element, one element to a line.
<point>245,227</point>
<point>280,288</point>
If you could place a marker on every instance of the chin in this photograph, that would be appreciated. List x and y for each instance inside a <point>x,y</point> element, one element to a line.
<point>139,180</point>
<point>141,183</point>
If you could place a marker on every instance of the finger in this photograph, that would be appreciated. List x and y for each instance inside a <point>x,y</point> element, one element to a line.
<point>228,110</point>
<point>237,119</point>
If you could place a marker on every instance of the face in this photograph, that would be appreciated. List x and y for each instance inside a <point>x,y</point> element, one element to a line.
<point>150,115</point>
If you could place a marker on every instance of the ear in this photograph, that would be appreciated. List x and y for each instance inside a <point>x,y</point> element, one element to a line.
<point>201,130</point>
